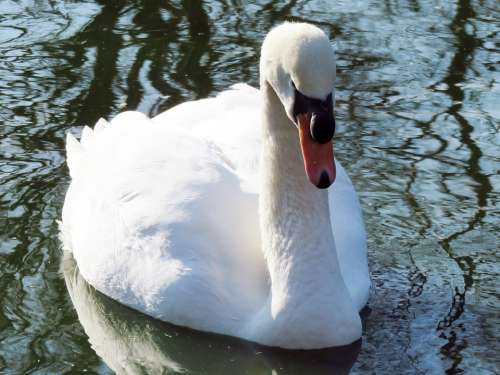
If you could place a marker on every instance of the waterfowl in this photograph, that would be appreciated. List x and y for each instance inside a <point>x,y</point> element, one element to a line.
<point>228,214</point>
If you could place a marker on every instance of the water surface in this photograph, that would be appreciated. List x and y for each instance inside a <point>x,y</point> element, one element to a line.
<point>418,106</point>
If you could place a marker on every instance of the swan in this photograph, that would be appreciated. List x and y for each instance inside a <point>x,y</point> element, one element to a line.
<point>228,214</point>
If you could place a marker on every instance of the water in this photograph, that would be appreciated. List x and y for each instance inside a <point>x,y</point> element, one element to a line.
<point>418,106</point>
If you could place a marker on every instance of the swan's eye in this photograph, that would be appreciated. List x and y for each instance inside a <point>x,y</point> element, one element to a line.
<point>325,104</point>
<point>301,103</point>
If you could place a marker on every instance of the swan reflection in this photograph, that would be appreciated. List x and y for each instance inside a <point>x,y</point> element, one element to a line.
<point>133,343</point>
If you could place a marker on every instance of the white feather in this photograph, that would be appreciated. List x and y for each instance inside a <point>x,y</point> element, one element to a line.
<point>100,126</point>
<point>163,216</point>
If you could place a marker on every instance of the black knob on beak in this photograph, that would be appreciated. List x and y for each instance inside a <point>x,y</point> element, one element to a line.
<point>322,127</point>
<point>322,120</point>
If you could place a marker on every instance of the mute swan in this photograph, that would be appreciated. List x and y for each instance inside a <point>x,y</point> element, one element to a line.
<point>211,217</point>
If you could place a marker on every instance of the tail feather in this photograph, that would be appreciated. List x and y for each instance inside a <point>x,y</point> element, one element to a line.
<point>75,150</point>
<point>87,138</point>
<point>100,126</point>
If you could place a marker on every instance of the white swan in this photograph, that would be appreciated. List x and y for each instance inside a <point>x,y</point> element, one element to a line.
<point>207,216</point>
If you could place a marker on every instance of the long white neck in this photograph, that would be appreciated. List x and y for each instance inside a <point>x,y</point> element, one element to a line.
<point>296,234</point>
<point>297,238</point>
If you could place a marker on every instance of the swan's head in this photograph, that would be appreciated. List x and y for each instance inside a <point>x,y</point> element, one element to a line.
<point>298,62</point>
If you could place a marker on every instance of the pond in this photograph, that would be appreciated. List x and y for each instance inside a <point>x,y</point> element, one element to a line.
<point>418,120</point>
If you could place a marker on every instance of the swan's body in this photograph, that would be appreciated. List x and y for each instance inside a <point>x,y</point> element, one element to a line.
<point>163,215</point>
<point>131,343</point>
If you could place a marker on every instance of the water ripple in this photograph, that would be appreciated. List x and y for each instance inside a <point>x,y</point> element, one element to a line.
<point>418,121</point>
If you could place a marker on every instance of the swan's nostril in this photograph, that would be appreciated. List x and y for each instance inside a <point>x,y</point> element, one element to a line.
<point>324,181</point>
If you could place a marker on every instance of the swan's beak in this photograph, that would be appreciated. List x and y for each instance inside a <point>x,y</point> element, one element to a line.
<point>318,157</point>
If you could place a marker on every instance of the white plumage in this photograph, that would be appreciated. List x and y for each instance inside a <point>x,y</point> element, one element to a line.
<point>163,215</point>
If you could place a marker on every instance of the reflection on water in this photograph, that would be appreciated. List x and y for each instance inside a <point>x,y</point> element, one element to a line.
<point>131,342</point>
<point>418,120</point>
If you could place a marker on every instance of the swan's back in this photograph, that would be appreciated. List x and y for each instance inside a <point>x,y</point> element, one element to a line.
<point>232,122</point>
<point>155,215</point>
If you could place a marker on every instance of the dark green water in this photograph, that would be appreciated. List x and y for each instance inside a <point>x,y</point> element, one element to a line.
<point>418,104</point>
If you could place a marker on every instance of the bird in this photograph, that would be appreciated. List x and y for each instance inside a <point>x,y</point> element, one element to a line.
<point>228,214</point>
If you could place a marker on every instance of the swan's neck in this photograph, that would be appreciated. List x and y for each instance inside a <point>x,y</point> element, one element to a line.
<point>297,238</point>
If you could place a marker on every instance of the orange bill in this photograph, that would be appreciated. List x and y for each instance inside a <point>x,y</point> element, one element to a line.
<point>318,158</point>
